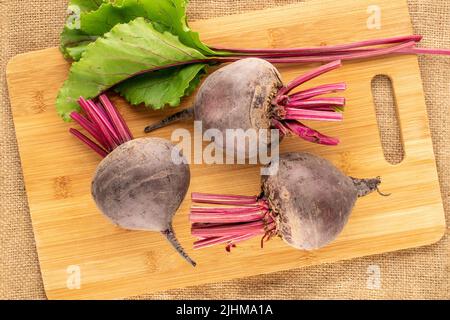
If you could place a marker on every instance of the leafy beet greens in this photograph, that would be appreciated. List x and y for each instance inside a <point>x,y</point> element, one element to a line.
<point>145,51</point>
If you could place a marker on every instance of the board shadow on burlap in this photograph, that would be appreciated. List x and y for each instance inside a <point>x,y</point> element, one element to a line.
<point>415,273</point>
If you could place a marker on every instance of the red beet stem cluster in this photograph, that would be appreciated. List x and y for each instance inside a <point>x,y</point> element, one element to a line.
<point>351,51</point>
<point>103,122</point>
<point>237,218</point>
<point>291,108</point>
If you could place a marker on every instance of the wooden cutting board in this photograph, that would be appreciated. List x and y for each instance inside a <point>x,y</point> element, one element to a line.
<point>75,242</point>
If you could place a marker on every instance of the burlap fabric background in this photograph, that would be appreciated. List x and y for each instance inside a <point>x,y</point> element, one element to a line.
<point>27,25</point>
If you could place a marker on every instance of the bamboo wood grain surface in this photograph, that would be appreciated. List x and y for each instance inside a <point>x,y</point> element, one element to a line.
<point>59,192</point>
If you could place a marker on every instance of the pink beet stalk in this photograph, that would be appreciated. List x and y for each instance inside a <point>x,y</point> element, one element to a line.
<point>90,128</point>
<point>318,91</point>
<point>340,47</point>
<point>117,120</point>
<point>223,199</point>
<point>289,108</point>
<point>309,134</point>
<point>248,217</point>
<point>229,240</point>
<point>315,103</point>
<point>302,114</point>
<point>348,55</point>
<point>89,142</point>
<point>356,54</point>
<point>229,229</point>
<point>85,107</point>
<point>310,75</point>
<point>221,215</point>
<point>351,51</point>
<point>104,123</point>
<point>445,52</point>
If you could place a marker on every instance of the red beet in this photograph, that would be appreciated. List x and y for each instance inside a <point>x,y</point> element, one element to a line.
<point>307,203</point>
<point>137,186</point>
<point>249,94</point>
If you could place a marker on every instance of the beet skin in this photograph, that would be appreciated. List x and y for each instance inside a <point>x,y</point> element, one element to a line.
<point>312,199</point>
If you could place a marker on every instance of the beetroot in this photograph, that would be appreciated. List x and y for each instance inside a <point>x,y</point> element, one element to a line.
<point>307,203</point>
<point>249,94</point>
<point>136,186</point>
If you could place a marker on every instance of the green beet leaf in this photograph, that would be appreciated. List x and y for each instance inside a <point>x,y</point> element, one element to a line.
<point>73,39</point>
<point>162,87</point>
<point>167,15</point>
<point>77,37</point>
<point>87,5</point>
<point>128,50</point>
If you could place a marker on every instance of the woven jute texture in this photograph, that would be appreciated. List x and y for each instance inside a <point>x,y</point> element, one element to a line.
<point>27,25</point>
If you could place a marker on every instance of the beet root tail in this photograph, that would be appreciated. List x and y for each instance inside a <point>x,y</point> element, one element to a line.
<point>366,186</point>
<point>170,236</point>
<point>185,114</point>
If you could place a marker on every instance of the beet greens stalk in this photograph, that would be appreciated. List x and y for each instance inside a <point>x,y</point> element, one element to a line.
<point>104,123</point>
<point>247,218</point>
<point>291,108</point>
<point>352,51</point>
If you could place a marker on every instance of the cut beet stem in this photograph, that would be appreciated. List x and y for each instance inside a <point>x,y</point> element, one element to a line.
<point>103,123</point>
<point>247,218</point>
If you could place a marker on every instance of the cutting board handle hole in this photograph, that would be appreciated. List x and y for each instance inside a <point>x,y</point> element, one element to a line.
<point>387,118</point>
